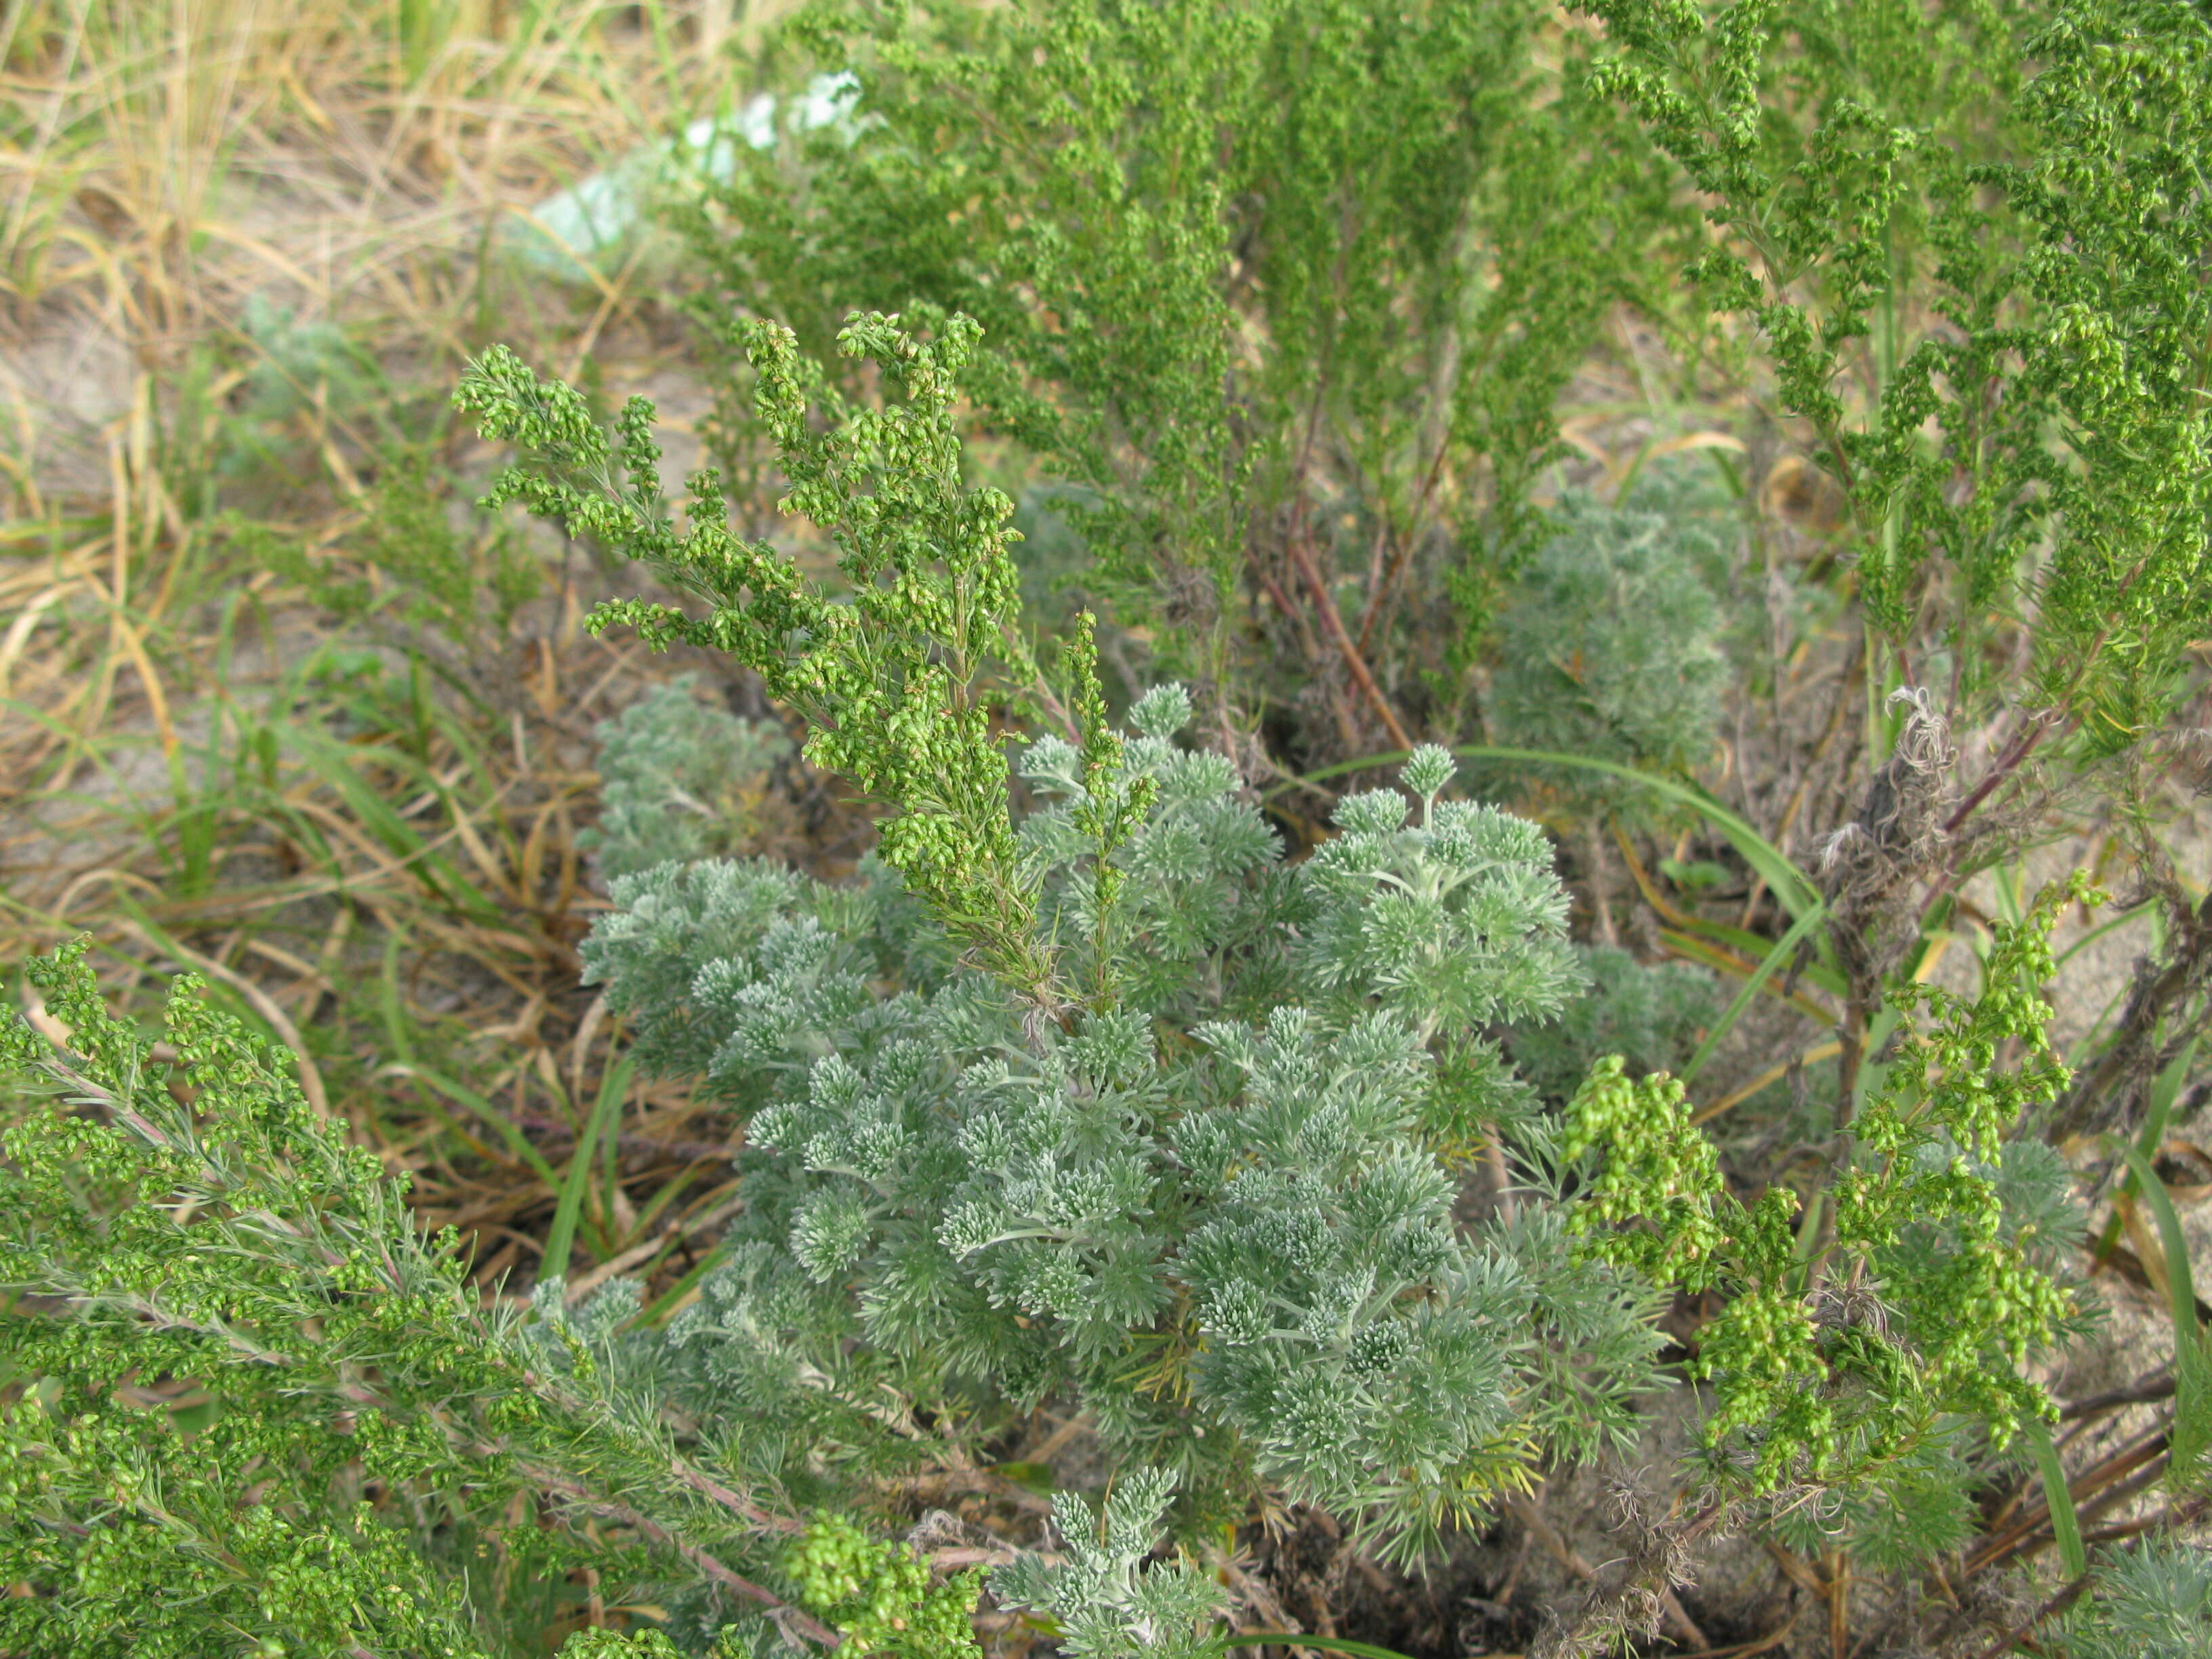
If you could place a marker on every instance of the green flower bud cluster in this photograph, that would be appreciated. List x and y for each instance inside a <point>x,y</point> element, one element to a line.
<point>1658,1171</point>
<point>1832,1369</point>
<point>236,1249</point>
<point>879,1596</point>
<point>892,678</point>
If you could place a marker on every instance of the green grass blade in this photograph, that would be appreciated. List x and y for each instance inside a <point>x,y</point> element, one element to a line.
<point>558,1242</point>
<point>2065,1524</point>
<point>2191,1434</point>
<point>334,763</point>
<point>1784,948</point>
<point>1755,946</point>
<point>2165,1090</point>
<point>1692,948</point>
<point>390,1007</point>
<point>2158,1109</point>
<point>461,1094</point>
<point>1798,891</point>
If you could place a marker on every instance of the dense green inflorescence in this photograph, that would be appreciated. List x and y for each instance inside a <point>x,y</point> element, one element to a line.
<point>194,1242</point>
<point>1281,292</point>
<point>2040,449</point>
<point>880,1596</point>
<point>1860,1363</point>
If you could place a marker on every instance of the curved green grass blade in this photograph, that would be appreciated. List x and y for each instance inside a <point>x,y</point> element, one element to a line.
<point>1798,891</point>
<point>612,1088</point>
<point>1755,946</point>
<point>2190,1436</point>
<point>461,1094</point>
<point>1784,948</point>
<point>2065,1524</point>
<point>2180,1288</point>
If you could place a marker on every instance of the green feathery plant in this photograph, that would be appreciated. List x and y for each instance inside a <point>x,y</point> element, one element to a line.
<point>1608,650</point>
<point>1852,1357</point>
<point>250,1409</point>
<point>1177,1142</point>
<point>891,683</point>
<point>1207,1203</point>
<point>2154,1602</point>
<point>1103,1600</point>
<point>1217,1217</point>
<point>1103,1100</point>
<point>1281,292</point>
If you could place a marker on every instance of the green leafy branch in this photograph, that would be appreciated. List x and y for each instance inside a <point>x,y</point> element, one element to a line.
<point>184,1227</point>
<point>1834,1363</point>
<point>894,676</point>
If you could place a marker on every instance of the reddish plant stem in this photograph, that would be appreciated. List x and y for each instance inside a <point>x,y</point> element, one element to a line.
<point>1332,622</point>
<point>1388,580</point>
<point>2016,753</point>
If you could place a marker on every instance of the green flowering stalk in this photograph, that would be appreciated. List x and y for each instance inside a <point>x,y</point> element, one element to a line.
<point>892,676</point>
<point>1658,1170</point>
<point>1842,1368</point>
<point>2022,187</point>
<point>1266,285</point>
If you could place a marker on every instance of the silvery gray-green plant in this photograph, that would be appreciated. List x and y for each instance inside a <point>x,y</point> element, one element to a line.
<point>679,780</point>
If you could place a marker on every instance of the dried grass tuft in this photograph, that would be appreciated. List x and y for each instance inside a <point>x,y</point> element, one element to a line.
<point>244,248</point>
